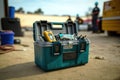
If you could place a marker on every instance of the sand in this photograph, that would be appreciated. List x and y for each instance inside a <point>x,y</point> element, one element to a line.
<point>19,65</point>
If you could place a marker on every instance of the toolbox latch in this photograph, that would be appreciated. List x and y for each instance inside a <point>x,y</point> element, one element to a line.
<point>56,49</point>
<point>83,47</point>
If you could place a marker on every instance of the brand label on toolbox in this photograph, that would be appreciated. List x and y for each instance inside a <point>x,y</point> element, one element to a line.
<point>69,55</point>
<point>69,45</point>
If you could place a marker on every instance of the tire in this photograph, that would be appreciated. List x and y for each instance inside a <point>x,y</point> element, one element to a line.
<point>111,33</point>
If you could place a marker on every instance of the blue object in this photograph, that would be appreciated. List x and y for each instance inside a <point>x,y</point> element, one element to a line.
<point>11,12</point>
<point>7,38</point>
<point>66,36</point>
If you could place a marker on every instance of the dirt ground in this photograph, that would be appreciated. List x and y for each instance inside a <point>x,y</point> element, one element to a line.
<point>19,65</point>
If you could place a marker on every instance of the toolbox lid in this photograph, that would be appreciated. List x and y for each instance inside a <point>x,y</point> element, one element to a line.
<point>56,27</point>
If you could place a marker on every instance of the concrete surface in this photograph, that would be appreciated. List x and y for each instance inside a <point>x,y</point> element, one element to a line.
<point>19,65</point>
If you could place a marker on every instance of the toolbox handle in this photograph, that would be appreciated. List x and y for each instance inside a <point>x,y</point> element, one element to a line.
<point>43,24</point>
<point>72,29</point>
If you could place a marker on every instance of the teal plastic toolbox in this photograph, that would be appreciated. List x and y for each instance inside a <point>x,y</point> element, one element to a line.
<point>61,53</point>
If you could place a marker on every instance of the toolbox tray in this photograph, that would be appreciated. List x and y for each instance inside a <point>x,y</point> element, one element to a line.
<point>40,26</point>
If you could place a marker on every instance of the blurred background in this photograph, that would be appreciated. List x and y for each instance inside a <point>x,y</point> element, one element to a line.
<point>98,19</point>
<point>30,11</point>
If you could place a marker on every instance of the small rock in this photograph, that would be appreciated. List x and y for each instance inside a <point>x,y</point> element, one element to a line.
<point>99,57</point>
<point>24,45</point>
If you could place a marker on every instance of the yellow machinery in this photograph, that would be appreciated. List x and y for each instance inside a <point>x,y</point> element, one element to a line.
<point>111,17</point>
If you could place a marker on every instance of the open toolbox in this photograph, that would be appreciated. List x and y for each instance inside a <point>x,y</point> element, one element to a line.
<point>66,48</point>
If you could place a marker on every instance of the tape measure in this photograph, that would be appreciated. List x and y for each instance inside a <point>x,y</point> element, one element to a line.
<point>49,36</point>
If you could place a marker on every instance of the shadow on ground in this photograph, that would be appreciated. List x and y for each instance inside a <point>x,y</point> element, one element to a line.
<point>19,70</point>
<point>117,78</point>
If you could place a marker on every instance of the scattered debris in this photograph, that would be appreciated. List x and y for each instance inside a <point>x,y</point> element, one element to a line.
<point>6,48</point>
<point>24,45</point>
<point>20,49</point>
<point>99,57</point>
<point>17,41</point>
<point>9,48</point>
<point>118,46</point>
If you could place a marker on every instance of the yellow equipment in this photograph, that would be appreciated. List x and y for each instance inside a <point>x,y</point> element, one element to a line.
<point>111,17</point>
<point>49,36</point>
